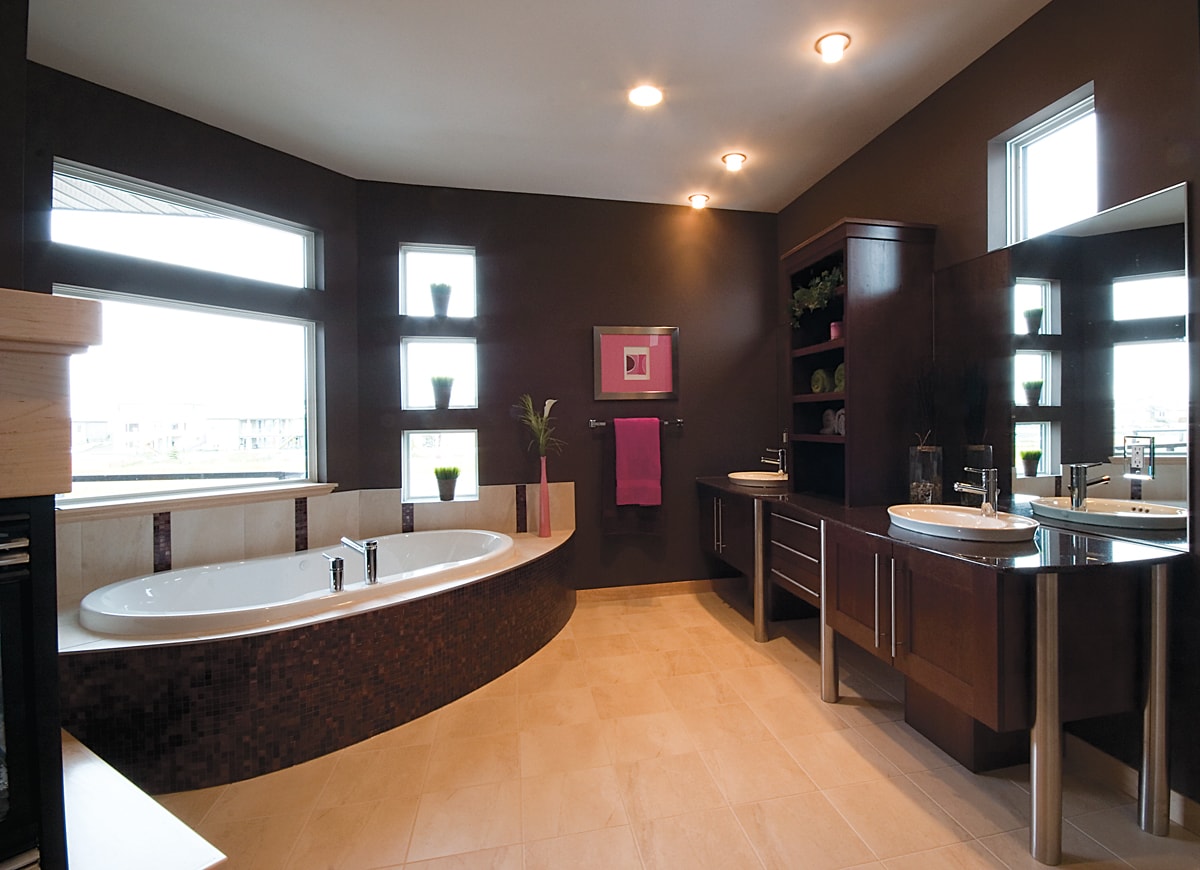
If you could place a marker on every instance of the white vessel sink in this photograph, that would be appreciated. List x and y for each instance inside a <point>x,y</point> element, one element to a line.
<point>758,478</point>
<point>962,523</point>
<point>1114,512</point>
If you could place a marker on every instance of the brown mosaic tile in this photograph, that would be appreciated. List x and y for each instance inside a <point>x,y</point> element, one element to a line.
<point>162,541</point>
<point>199,714</point>
<point>408,517</point>
<point>301,524</point>
<point>522,509</point>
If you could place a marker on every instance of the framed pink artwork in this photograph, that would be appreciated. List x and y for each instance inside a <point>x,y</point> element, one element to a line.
<point>636,362</point>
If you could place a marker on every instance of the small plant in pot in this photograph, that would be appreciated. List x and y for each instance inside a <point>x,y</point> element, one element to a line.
<point>817,293</point>
<point>447,477</point>
<point>1033,320</point>
<point>1033,392</point>
<point>441,299</point>
<point>442,385</point>
<point>1030,459</point>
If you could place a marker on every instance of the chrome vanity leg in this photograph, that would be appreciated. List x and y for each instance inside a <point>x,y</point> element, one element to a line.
<point>829,663</point>
<point>1045,742</point>
<point>1154,797</point>
<point>759,580</point>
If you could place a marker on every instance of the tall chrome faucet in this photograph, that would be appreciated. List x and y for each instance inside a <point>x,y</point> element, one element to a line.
<point>779,460</point>
<point>368,549</point>
<point>989,488</point>
<point>1076,475</point>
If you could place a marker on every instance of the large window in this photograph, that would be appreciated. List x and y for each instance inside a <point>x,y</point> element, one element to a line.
<point>119,215</point>
<point>186,397</point>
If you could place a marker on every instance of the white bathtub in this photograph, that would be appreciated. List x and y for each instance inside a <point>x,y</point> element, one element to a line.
<point>259,593</point>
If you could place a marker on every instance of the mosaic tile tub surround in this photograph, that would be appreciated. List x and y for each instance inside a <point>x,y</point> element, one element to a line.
<point>199,714</point>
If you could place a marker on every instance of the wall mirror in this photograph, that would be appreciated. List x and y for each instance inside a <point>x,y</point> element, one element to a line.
<point>1107,354</point>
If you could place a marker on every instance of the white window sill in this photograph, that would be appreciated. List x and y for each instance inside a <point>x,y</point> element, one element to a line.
<point>129,507</point>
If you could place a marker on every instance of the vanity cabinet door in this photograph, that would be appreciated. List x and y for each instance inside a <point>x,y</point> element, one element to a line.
<point>947,622</point>
<point>858,588</point>
<point>727,528</point>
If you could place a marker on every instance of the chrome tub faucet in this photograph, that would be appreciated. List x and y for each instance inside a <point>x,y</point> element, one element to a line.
<point>368,550</point>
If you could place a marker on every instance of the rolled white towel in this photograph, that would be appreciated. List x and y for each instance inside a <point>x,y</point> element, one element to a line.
<point>828,422</point>
<point>839,422</point>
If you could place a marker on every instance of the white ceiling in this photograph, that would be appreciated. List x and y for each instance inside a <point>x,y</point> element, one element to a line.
<point>529,95</point>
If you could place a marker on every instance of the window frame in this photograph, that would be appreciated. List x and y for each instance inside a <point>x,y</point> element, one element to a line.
<point>405,249</point>
<point>311,376</point>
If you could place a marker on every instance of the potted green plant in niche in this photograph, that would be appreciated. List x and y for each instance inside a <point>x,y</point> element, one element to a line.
<point>1033,320</point>
<point>447,478</point>
<point>816,294</point>
<point>1030,459</point>
<point>1033,392</point>
<point>441,299</point>
<point>442,385</point>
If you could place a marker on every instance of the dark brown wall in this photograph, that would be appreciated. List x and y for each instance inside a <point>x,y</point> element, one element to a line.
<point>76,120</point>
<point>549,269</point>
<point>13,24</point>
<point>931,166</point>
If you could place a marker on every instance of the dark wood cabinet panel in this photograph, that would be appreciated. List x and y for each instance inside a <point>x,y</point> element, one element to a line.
<point>794,554</point>
<point>858,588</point>
<point>727,528</point>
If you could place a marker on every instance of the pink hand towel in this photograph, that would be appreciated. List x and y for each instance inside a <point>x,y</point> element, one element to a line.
<point>639,466</point>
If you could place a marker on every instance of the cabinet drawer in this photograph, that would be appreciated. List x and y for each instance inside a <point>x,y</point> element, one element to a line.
<point>796,534</point>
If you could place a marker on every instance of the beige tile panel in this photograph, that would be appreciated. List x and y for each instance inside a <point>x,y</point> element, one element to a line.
<point>466,820</point>
<point>380,512</point>
<point>468,761</point>
<point>667,786</point>
<point>332,516</point>
<point>570,802</point>
<point>270,528</point>
<point>115,549</point>
<point>894,817</point>
<point>756,772</point>
<point>68,539</point>
<point>501,858</point>
<point>560,748</point>
<point>707,839</point>
<point>960,856</point>
<point>982,804</point>
<point>208,536</point>
<point>803,830</point>
<point>652,735</point>
<point>1079,851</point>
<point>1117,830</point>
<point>608,849</point>
<point>837,758</point>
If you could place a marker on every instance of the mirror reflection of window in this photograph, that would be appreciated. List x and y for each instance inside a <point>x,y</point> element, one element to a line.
<point>1032,366</point>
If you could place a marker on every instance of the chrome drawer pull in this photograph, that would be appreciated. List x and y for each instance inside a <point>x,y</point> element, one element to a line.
<point>797,522</point>
<point>796,552</point>
<point>795,582</point>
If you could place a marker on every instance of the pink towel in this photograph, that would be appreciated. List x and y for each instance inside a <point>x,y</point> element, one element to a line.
<point>639,468</point>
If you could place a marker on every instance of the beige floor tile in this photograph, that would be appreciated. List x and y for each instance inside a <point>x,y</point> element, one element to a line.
<point>763,682</point>
<point>500,858</point>
<point>682,662</point>
<point>473,761</point>
<point>797,714</point>
<point>699,690</point>
<point>982,804</point>
<point>1079,851</point>
<point>557,804</point>
<point>960,856</point>
<point>421,731</point>
<point>806,671</point>
<point>707,839</point>
<point>355,836</point>
<point>466,820</point>
<point>560,649</point>
<point>866,703</point>
<point>478,716</point>
<point>663,639</point>
<point>292,791</point>
<point>607,645</point>
<point>667,786</point>
<point>729,656</point>
<point>904,747</point>
<point>713,633</point>
<point>559,748</point>
<point>505,684</point>
<point>369,776</point>
<point>562,707</point>
<point>630,699</point>
<point>636,667</point>
<point>1117,830</point>
<point>659,619</point>
<point>802,831</point>
<point>634,738</point>
<point>596,626</point>
<point>190,807</point>
<point>728,725</point>
<point>894,817</point>
<point>756,772</point>
<point>1080,796</point>
<point>608,849</point>
<point>551,676</point>
<point>254,844</point>
<point>837,758</point>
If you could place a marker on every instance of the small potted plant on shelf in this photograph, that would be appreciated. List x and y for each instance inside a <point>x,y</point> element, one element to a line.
<point>441,299</point>
<point>442,385</point>
<point>1033,320</point>
<point>447,477</point>
<point>817,293</point>
<point>1033,392</point>
<point>1030,459</point>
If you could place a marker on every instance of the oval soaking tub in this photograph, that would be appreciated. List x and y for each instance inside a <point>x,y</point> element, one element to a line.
<point>260,593</point>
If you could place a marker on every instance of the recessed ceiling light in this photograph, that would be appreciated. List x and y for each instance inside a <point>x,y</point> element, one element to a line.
<point>698,200</point>
<point>734,161</point>
<point>646,95</point>
<point>832,46</point>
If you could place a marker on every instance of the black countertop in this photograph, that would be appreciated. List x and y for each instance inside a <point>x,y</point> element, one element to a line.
<point>1057,547</point>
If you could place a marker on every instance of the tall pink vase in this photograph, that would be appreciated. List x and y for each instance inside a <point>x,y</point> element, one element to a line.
<point>544,505</point>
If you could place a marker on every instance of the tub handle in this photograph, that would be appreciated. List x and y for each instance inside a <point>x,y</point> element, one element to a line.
<point>337,571</point>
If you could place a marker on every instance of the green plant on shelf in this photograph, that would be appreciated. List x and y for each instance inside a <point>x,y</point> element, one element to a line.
<point>1031,456</point>
<point>446,472</point>
<point>817,293</point>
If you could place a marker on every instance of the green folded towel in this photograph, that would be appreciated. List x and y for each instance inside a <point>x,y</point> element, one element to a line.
<point>821,382</point>
<point>839,378</point>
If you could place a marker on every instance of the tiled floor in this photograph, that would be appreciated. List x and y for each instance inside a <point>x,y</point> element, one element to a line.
<point>653,732</point>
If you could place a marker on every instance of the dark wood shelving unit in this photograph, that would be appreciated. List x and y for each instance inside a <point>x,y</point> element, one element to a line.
<point>885,345</point>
